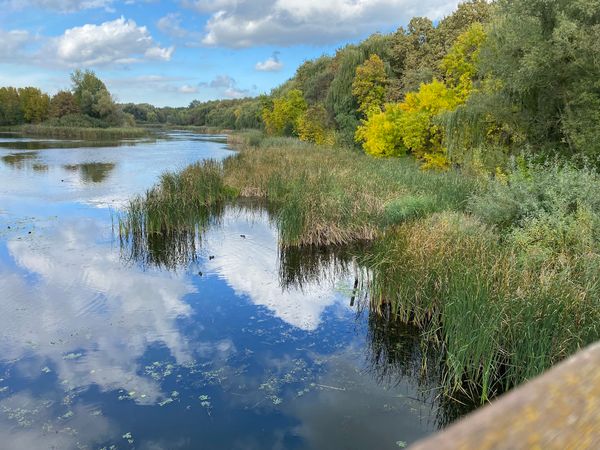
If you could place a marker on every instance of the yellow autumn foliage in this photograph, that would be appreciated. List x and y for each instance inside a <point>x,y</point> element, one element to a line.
<point>413,124</point>
<point>380,133</point>
<point>282,118</point>
<point>311,126</point>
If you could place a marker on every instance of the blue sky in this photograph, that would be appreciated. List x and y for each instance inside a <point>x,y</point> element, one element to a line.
<point>170,52</point>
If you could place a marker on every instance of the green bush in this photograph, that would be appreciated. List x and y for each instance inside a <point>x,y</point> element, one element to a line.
<point>533,193</point>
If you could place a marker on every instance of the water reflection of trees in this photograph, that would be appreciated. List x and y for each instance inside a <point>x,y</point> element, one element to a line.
<point>92,172</point>
<point>19,160</point>
<point>53,144</point>
<point>302,266</point>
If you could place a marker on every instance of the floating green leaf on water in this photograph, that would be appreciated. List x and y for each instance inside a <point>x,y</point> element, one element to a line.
<point>401,444</point>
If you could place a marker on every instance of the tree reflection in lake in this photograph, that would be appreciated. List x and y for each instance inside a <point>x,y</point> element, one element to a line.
<point>91,172</point>
<point>19,160</point>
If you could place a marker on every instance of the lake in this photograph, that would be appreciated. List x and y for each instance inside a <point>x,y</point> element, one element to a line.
<point>226,341</point>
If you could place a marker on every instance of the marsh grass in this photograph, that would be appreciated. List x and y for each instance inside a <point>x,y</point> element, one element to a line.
<point>501,277</point>
<point>327,196</point>
<point>499,317</point>
<point>162,226</point>
<point>82,133</point>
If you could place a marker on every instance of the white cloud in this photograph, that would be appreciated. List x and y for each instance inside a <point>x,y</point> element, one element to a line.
<point>250,266</point>
<point>188,89</point>
<point>226,86</point>
<point>119,41</point>
<point>116,305</point>
<point>271,64</point>
<point>159,53</point>
<point>13,43</point>
<point>222,81</point>
<point>57,5</point>
<point>245,23</point>
<point>171,25</point>
<point>210,5</point>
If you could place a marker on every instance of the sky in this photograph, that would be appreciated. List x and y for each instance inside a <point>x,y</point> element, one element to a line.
<point>171,52</point>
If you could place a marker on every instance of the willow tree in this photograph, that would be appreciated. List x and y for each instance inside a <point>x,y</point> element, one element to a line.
<point>541,61</point>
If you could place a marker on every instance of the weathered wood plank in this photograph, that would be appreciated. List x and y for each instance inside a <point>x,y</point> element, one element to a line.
<point>558,410</point>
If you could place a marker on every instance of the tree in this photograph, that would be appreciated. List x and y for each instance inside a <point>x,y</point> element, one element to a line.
<point>414,56</point>
<point>380,133</point>
<point>10,107</point>
<point>91,94</point>
<point>418,50</point>
<point>312,126</point>
<point>545,56</point>
<point>63,103</point>
<point>34,104</point>
<point>460,63</point>
<point>282,118</point>
<point>415,123</point>
<point>369,85</point>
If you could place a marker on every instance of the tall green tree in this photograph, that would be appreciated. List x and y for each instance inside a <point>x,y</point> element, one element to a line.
<point>35,105</point>
<point>63,103</point>
<point>91,94</point>
<point>543,59</point>
<point>10,107</point>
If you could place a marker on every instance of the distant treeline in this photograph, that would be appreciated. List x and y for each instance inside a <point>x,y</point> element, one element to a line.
<point>236,114</point>
<point>88,104</point>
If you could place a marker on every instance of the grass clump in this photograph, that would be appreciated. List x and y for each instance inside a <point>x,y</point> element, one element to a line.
<point>162,227</point>
<point>407,208</point>
<point>177,201</point>
<point>506,291</point>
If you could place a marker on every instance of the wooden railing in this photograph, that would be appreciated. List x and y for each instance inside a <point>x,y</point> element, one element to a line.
<point>558,410</point>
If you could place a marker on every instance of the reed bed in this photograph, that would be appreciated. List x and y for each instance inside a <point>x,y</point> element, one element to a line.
<point>330,196</point>
<point>82,133</point>
<point>501,276</point>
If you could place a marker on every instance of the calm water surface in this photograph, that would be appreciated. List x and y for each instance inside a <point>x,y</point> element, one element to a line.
<point>243,347</point>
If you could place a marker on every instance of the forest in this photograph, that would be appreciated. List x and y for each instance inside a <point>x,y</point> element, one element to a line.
<point>88,104</point>
<point>487,83</point>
